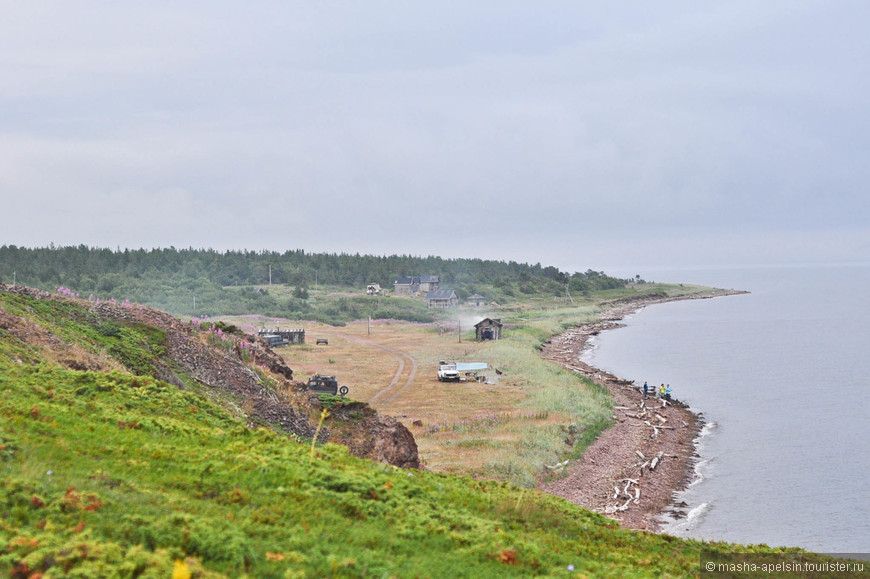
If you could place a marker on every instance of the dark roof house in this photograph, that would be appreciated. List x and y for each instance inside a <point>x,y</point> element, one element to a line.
<point>442,299</point>
<point>406,285</point>
<point>417,283</point>
<point>477,300</point>
<point>429,283</point>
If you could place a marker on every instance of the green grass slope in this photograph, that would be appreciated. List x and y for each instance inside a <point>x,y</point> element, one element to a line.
<point>104,473</point>
<point>108,474</point>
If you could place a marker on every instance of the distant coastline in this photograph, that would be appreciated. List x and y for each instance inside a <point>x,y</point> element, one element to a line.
<point>613,476</point>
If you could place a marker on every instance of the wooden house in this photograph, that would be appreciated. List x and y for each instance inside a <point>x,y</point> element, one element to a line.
<point>414,284</point>
<point>477,300</point>
<point>405,286</point>
<point>442,299</point>
<point>429,283</point>
<point>487,329</point>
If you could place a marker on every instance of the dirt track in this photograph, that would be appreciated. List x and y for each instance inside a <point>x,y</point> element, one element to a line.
<point>388,393</point>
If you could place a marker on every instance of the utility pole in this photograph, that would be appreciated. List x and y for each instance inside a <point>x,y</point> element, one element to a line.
<point>568,295</point>
<point>194,303</point>
<point>270,274</point>
<point>13,277</point>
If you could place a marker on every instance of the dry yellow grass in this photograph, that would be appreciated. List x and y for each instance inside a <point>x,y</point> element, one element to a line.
<point>465,427</point>
<point>533,414</point>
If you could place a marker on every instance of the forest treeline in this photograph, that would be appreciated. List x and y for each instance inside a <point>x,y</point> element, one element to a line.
<point>206,281</point>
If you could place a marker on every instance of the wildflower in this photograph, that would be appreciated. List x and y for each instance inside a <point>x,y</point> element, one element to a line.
<point>180,570</point>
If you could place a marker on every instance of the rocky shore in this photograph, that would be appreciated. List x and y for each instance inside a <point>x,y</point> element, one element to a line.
<point>632,470</point>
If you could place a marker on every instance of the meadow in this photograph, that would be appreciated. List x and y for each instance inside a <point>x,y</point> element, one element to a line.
<point>109,472</point>
<point>532,414</point>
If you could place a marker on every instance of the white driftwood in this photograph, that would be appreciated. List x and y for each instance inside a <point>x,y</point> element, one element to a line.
<point>557,466</point>
<point>637,495</point>
<point>640,454</point>
<point>657,460</point>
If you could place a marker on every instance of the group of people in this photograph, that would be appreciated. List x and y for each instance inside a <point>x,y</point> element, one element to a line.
<point>663,391</point>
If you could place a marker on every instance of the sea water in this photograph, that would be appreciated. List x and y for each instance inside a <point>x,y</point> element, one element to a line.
<point>781,377</point>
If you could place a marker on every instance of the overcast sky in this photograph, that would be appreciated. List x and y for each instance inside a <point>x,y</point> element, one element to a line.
<point>576,134</point>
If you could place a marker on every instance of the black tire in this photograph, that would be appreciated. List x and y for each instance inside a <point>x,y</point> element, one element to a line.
<point>343,390</point>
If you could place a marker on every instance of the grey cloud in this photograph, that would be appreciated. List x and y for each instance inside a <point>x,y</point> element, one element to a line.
<point>666,131</point>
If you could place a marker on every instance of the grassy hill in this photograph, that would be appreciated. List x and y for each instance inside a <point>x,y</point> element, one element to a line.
<point>107,469</point>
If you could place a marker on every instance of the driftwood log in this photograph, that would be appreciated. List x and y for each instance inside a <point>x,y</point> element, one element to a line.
<point>627,491</point>
<point>657,460</point>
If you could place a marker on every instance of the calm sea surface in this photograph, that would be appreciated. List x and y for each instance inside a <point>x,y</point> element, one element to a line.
<point>782,377</point>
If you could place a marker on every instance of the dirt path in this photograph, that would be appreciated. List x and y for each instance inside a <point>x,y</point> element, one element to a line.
<point>632,470</point>
<point>390,392</point>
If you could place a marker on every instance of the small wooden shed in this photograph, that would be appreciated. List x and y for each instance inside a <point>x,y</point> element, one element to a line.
<point>477,300</point>
<point>487,329</point>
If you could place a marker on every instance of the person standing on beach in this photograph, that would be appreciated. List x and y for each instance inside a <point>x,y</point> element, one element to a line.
<point>645,389</point>
<point>662,390</point>
<point>668,392</point>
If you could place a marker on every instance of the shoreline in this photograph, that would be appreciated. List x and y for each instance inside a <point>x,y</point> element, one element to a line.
<point>618,474</point>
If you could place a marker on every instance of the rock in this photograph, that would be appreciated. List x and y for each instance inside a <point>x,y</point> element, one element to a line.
<point>369,434</point>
